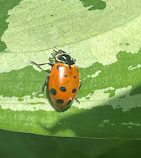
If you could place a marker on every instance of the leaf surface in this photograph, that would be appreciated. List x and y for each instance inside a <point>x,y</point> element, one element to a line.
<point>104,37</point>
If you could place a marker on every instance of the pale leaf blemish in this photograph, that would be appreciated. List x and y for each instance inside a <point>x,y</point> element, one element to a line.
<point>26,104</point>
<point>130,124</point>
<point>93,75</point>
<point>100,98</point>
<point>134,67</point>
<point>104,122</point>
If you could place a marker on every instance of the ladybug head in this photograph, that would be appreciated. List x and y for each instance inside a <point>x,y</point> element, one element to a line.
<point>64,57</point>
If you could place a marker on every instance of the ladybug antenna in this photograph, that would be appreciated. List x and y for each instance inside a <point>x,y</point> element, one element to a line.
<point>56,48</point>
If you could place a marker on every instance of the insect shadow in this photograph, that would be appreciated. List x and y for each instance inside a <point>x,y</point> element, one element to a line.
<point>102,121</point>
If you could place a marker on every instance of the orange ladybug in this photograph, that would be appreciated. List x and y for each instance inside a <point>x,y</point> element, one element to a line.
<point>63,83</point>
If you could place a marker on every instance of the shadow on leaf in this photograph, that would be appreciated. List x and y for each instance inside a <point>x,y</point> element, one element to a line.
<point>102,122</point>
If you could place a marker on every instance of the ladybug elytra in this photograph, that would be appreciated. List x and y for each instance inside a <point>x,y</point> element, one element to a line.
<point>63,83</point>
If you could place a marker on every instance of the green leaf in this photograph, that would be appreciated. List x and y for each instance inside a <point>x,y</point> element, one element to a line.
<point>4,7</point>
<point>38,25</point>
<point>31,146</point>
<point>104,37</point>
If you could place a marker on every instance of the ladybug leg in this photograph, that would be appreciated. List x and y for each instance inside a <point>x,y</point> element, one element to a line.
<point>54,55</point>
<point>77,100</point>
<point>45,64</point>
<point>43,87</point>
<point>80,82</point>
<point>39,65</point>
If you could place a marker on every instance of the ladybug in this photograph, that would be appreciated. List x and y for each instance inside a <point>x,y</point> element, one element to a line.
<point>63,83</point>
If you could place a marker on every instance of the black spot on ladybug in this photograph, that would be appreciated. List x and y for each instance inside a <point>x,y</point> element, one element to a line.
<point>69,102</point>
<point>58,66</point>
<point>60,101</point>
<point>65,76</point>
<point>63,89</point>
<point>74,90</point>
<point>53,91</point>
<point>74,76</point>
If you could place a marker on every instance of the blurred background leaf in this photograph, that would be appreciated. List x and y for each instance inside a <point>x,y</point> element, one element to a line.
<point>34,146</point>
